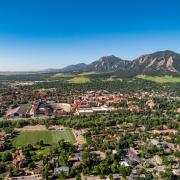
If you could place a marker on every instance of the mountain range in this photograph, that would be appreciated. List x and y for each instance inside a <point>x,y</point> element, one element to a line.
<point>155,64</point>
<point>159,63</point>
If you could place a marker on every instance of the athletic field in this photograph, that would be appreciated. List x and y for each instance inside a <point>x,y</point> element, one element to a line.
<point>49,137</point>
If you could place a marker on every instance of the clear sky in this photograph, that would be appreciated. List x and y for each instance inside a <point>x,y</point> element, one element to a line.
<point>39,34</point>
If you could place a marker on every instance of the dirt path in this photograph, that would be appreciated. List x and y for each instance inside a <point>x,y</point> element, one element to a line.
<point>32,128</point>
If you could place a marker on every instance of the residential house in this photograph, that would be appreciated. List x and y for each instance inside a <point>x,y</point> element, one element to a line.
<point>19,159</point>
<point>64,169</point>
<point>124,163</point>
<point>133,155</point>
<point>151,104</point>
<point>19,112</point>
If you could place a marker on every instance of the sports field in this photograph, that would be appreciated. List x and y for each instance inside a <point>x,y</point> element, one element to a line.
<point>49,137</point>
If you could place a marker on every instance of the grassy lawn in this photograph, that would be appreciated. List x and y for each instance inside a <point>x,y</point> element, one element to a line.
<point>43,151</point>
<point>49,137</point>
<point>79,80</point>
<point>161,79</point>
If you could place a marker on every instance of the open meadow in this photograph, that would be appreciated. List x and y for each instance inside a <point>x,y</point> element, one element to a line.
<point>79,80</point>
<point>161,79</point>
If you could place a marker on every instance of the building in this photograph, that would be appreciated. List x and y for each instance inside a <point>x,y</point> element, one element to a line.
<point>151,104</point>
<point>74,159</point>
<point>94,110</point>
<point>64,169</point>
<point>166,131</point>
<point>100,110</point>
<point>19,112</point>
<point>61,109</point>
<point>157,160</point>
<point>124,163</point>
<point>4,137</point>
<point>42,108</point>
<point>133,155</point>
<point>87,111</point>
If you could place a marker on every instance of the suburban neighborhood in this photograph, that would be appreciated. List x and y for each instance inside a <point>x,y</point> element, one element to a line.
<point>130,148</point>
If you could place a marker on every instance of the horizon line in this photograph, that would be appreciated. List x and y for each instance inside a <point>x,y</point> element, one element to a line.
<point>53,68</point>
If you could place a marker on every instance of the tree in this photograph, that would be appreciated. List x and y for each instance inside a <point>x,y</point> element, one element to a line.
<point>6,157</point>
<point>63,159</point>
<point>46,171</point>
<point>61,175</point>
<point>102,176</point>
<point>73,172</point>
<point>10,171</point>
<point>78,177</point>
<point>177,154</point>
<point>2,168</point>
<point>111,177</point>
<point>41,143</point>
<point>122,171</point>
<point>167,174</point>
<point>85,156</point>
<point>30,147</point>
<point>31,165</point>
<point>114,167</point>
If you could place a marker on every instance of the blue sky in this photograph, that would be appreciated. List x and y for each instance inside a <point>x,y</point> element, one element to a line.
<point>38,34</point>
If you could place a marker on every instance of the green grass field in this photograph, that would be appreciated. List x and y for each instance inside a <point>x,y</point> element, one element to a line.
<point>160,79</point>
<point>88,73</point>
<point>62,75</point>
<point>79,80</point>
<point>72,78</point>
<point>49,137</point>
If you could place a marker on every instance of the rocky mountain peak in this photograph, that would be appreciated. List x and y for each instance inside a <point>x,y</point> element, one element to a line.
<point>158,63</point>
